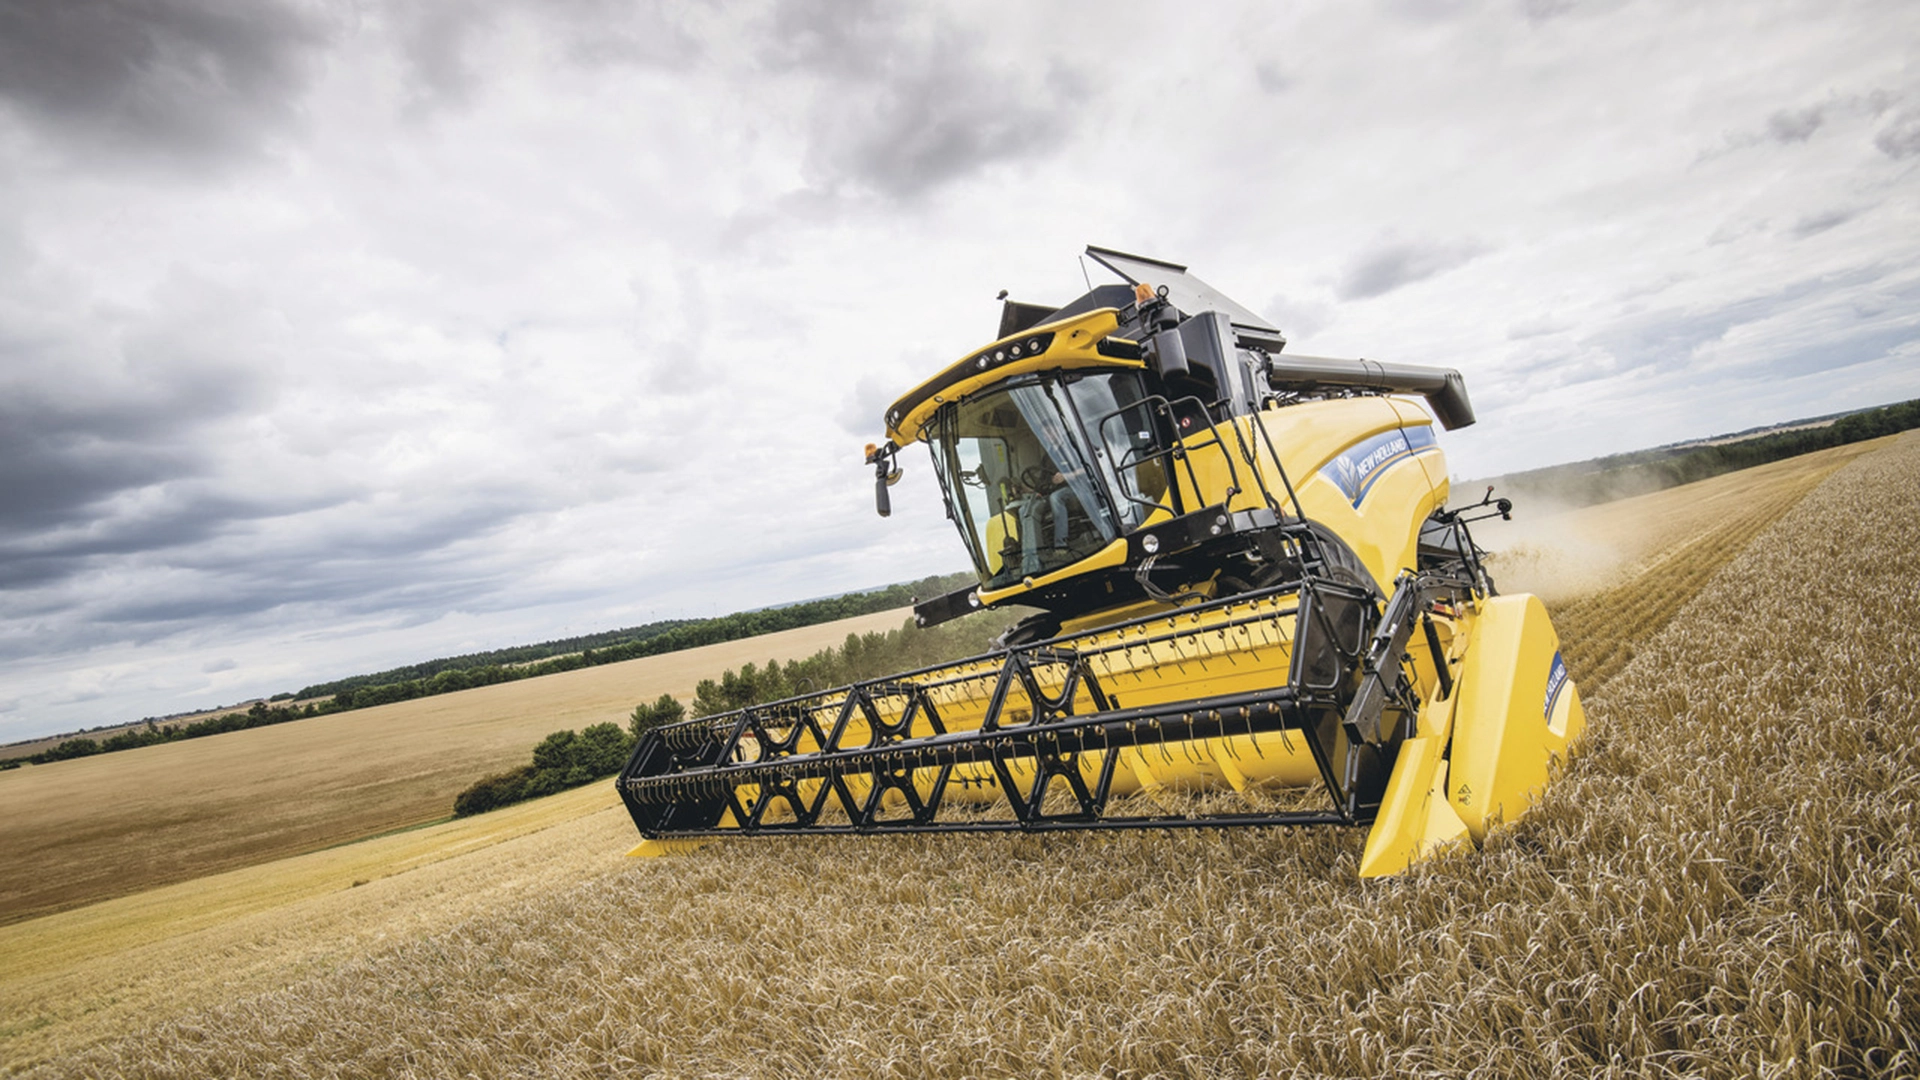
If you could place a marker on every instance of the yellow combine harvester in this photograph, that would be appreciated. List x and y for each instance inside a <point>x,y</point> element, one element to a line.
<point>1253,607</point>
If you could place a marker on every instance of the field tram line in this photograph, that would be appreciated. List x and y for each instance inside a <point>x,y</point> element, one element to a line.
<point>1600,633</point>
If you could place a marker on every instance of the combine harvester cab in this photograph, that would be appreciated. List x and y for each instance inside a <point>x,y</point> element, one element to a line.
<point>1252,607</point>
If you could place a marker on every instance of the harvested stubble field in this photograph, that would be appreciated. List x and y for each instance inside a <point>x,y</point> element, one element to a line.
<point>1721,884</point>
<point>80,831</point>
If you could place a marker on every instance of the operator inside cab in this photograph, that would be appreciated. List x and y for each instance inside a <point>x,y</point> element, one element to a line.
<point>1045,470</point>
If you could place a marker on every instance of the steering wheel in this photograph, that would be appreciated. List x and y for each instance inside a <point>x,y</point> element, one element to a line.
<point>1035,478</point>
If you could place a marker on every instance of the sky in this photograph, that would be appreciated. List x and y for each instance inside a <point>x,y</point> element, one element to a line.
<point>335,336</point>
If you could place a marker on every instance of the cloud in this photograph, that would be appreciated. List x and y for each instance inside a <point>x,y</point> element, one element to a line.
<point>434,37</point>
<point>345,562</point>
<point>864,408</point>
<point>905,104</point>
<point>173,79</point>
<point>214,667</point>
<point>603,33</point>
<point>1271,78</point>
<point>1299,318</point>
<point>1795,125</point>
<point>1900,139</point>
<point>1734,229</point>
<point>54,462</point>
<point>1668,338</point>
<point>96,404</point>
<point>1542,11</point>
<point>1426,11</point>
<point>1678,341</point>
<point>1392,264</point>
<point>1815,224</point>
<point>1538,326</point>
<point>445,43</point>
<point>1538,12</point>
<point>1834,355</point>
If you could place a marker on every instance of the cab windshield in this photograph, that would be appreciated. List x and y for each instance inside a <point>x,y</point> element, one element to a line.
<point>1044,473</point>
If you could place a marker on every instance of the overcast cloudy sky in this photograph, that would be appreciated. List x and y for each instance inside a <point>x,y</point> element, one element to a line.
<point>341,335</point>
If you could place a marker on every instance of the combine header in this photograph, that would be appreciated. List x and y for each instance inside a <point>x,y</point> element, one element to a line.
<point>1253,607</point>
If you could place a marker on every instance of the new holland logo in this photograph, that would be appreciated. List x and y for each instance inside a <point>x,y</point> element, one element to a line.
<point>1360,466</point>
<point>1349,475</point>
<point>1556,682</point>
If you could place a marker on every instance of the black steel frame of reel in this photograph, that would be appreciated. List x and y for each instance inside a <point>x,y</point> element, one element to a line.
<point>683,780</point>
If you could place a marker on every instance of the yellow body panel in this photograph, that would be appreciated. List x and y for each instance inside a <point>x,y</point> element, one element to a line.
<point>1072,348</point>
<point>1434,465</point>
<point>1415,819</point>
<point>1513,720</point>
<point>1383,526</point>
<point>1001,527</point>
<point>1507,722</point>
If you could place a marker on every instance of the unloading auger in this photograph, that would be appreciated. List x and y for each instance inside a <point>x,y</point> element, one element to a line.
<point>1253,607</point>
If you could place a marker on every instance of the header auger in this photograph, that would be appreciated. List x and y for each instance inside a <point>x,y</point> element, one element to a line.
<point>1253,607</point>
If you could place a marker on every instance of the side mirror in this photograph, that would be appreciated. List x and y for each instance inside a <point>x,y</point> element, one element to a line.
<point>885,475</point>
<point>882,480</point>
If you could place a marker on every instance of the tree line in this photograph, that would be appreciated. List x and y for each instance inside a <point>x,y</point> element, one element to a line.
<point>260,715</point>
<point>653,639</point>
<point>518,654</point>
<point>1621,475</point>
<point>690,635</point>
<point>566,759</point>
<point>861,656</point>
<point>456,673</point>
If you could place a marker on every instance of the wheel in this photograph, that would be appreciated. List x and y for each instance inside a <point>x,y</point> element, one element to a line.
<point>1036,627</point>
<point>1340,560</point>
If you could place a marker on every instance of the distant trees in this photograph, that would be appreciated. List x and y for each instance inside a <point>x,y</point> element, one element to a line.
<point>260,715</point>
<point>510,665</point>
<point>613,646</point>
<point>365,691</point>
<point>665,710</point>
<point>861,656</point>
<point>71,748</point>
<point>1621,475</point>
<point>566,760</point>
<point>562,760</point>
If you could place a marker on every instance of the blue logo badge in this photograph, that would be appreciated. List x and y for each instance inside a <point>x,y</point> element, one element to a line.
<point>1556,682</point>
<point>1357,467</point>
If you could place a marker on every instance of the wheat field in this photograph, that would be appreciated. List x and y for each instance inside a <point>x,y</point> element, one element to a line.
<point>1722,883</point>
<point>79,831</point>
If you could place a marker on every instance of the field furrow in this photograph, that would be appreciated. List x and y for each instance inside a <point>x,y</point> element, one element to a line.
<point>1677,541</point>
